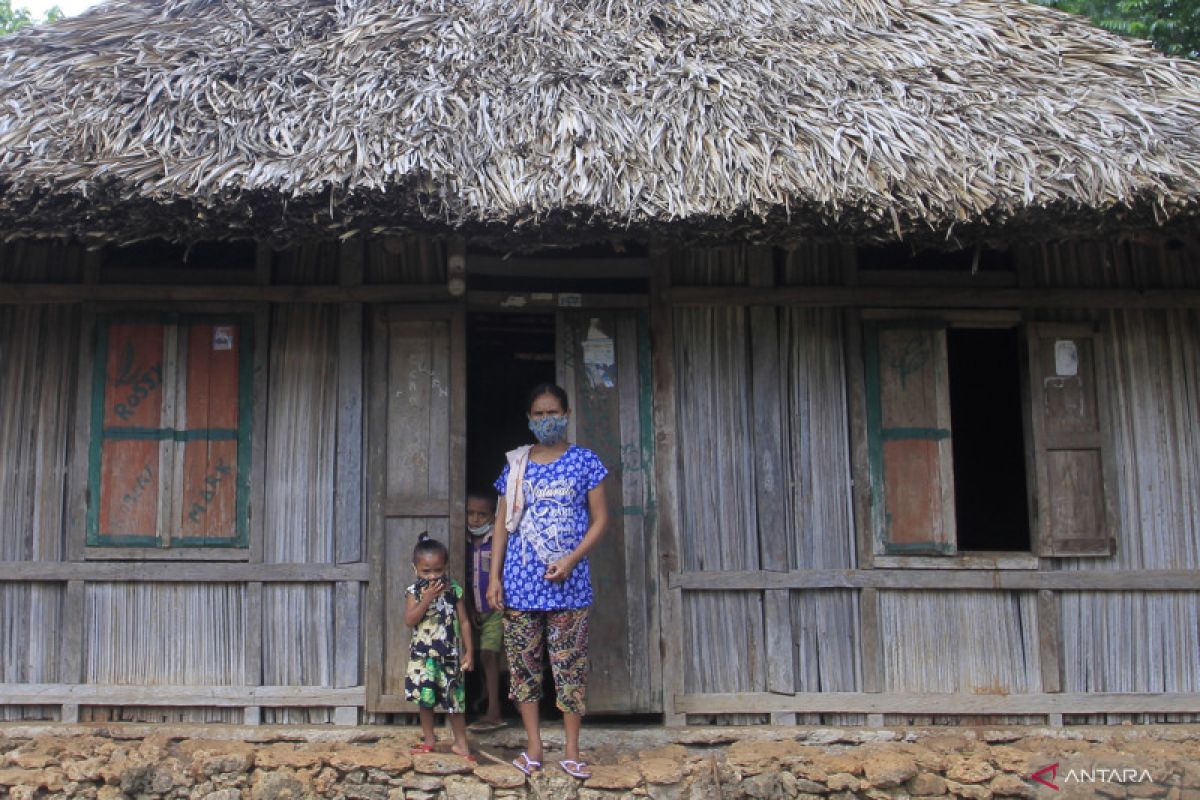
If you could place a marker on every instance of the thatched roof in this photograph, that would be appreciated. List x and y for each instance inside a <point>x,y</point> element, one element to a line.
<point>780,118</point>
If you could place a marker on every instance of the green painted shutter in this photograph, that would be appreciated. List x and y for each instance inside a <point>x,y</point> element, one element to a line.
<point>908,427</point>
<point>1072,502</point>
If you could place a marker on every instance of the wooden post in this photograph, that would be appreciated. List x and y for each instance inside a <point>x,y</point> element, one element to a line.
<point>770,479</point>
<point>666,477</point>
<point>71,654</point>
<point>252,668</point>
<point>1049,640</point>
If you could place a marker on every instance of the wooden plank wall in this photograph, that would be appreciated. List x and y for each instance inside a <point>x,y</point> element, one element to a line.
<point>1128,641</point>
<point>38,362</point>
<point>298,619</point>
<point>735,366</point>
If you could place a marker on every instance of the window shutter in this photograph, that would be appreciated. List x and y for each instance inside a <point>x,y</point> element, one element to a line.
<point>1071,504</point>
<point>908,428</point>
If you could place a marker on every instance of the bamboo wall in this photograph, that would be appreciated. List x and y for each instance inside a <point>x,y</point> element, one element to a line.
<point>39,348</point>
<point>1129,641</point>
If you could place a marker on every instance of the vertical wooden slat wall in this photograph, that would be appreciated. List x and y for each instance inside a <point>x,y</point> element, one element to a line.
<point>298,619</point>
<point>38,361</point>
<point>1131,641</point>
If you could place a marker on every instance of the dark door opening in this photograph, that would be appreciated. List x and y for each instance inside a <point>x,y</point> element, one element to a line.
<point>990,492</point>
<point>507,355</point>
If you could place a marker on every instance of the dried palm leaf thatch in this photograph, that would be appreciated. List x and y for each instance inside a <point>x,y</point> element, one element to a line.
<point>863,119</point>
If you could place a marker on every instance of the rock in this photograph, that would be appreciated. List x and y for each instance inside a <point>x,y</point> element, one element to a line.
<point>970,770</point>
<point>325,781</point>
<point>23,793</point>
<point>703,738</point>
<point>1010,759</point>
<point>33,759</point>
<point>675,752</point>
<point>839,762</point>
<point>843,782</point>
<point>218,758</point>
<point>552,786</point>
<point>110,793</point>
<point>224,794</point>
<point>969,791</point>
<point>421,783</point>
<point>279,785</point>
<point>1006,785</point>
<point>501,776</point>
<point>365,791</point>
<point>926,784</point>
<point>806,786</point>
<point>996,737</point>
<point>441,764</point>
<point>283,754</point>
<point>621,776</point>
<point>86,770</point>
<point>666,791</point>
<point>50,779</point>
<point>352,757</point>
<point>661,770</point>
<point>762,786</point>
<point>749,751</point>
<point>886,769</point>
<point>462,787</point>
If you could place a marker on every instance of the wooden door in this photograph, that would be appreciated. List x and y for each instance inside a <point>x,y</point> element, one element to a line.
<point>603,361</point>
<point>416,473</point>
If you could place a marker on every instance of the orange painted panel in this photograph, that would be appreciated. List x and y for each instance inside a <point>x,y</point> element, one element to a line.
<point>133,375</point>
<point>912,484</point>
<point>209,490</point>
<point>212,379</point>
<point>129,487</point>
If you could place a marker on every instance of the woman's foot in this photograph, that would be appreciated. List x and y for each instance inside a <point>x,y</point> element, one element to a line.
<point>576,769</point>
<point>526,764</point>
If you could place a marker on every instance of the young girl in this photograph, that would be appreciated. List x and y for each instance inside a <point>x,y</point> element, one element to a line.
<point>436,612</point>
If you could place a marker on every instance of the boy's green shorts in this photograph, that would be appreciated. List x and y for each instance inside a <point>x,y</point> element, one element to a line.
<point>491,631</point>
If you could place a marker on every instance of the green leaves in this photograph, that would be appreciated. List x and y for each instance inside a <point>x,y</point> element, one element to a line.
<point>12,19</point>
<point>1173,26</point>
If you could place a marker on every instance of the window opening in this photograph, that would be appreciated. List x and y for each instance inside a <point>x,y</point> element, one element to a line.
<point>990,489</point>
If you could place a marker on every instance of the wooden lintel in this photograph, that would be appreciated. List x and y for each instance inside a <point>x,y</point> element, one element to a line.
<point>925,704</point>
<point>932,297</point>
<point>552,301</point>
<point>214,696</point>
<point>930,579</point>
<point>178,572</point>
<point>37,293</point>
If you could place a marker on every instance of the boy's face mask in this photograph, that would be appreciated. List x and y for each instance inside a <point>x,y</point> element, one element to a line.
<point>481,530</point>
<point>549,430</point>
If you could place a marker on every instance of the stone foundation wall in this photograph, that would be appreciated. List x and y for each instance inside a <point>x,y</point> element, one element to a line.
<point>691,764</point>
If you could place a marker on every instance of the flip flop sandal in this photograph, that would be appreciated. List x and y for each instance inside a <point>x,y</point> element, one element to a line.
<point>576,769</point>
<point>526,764</point>
<point>418,749</point>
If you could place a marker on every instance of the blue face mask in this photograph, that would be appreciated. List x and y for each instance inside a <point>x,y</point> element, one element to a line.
<point>549,430</point>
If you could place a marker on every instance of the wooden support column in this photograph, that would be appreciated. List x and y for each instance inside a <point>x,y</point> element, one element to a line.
<point>666,482</point>
<point>872,648</point>
<point>770,482</point>
<point>252,672</point>
<point>71,654</point>
<point>1049,620</point>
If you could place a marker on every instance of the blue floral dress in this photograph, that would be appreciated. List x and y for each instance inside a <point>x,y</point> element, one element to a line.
<point>553,524</point>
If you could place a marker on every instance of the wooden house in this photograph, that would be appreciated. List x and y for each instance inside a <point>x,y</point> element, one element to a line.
<point>885,317</point>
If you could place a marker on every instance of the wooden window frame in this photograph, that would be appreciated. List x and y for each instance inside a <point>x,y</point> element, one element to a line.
<point>880,553</point>
<point>82,541</point>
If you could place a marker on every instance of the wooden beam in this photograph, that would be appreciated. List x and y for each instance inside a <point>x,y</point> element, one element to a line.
<point>178,572</point>
<point>551,301</point>
<point>666,487</point>
<point>925,704</point>
<point>933,297</point>
<point>348,483</point>
<point>605,268</point>
<point>213,696</point>
<point>1003,580</point>
<point>35,293</point>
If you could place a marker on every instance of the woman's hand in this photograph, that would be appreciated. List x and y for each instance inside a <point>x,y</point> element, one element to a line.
<point>560,570</point>
<point>495,595</point>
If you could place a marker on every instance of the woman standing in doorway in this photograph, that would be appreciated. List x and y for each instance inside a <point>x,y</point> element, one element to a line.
<point>550,514</point>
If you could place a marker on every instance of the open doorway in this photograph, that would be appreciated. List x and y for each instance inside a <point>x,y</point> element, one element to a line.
<point>507,355</point>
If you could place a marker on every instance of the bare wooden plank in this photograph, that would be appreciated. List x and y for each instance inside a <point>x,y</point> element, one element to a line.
<point>33,293</point>
<point>666,479</point>
<point>416,506</point>
<point>456,446</point>
<point>864,537</point>
<point>252,670</point>
<point>1049,620</point>
<point>1016,580</point>
<point>71,647</point>
<point>345,715</point>
<point>252,716</point>
<point>961,560</point>
<point>69,713</point>
<point>376,488</point>
<point>258,436</point>
<point>545,301</point>
<point>78,494</point>
<point>348,491</point>
<point>347,631</point>
<point>639,581</point>
<point>170,572</point>
<point>948,704</point>
<point>933,297</point>
<point>215,696</point>
<point>871,637</point>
